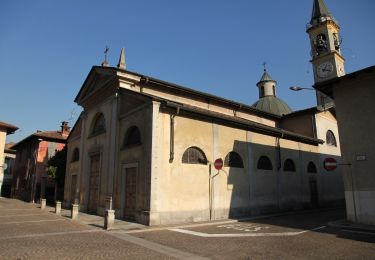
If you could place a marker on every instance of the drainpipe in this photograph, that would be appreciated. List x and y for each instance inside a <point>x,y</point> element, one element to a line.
<point>278,151</point>
<point>171,133</point>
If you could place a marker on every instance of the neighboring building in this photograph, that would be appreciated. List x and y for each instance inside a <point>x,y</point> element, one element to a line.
<point>30,177</point>
<point>5,129</point>
<point>151,146</point>
<point>354,96</point>
<point>9,160</point>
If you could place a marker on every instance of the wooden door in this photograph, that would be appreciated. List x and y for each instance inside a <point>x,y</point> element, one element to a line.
<point>130,193</point>
<point>94,183</point>
<point>73,188</point>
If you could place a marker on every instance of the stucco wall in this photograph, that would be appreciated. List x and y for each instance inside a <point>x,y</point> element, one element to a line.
<point>355,109</point>
<point>185,191</point>
<point>3,134</point>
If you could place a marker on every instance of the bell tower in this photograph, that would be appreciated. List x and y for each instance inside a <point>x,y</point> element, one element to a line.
<point>325,41</point>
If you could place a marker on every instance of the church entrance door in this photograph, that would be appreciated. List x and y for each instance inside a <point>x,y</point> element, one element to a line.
<point>94,183</point>
<point>130,193</point>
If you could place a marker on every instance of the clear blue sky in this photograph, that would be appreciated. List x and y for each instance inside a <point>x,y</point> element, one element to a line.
<point>215,46</point>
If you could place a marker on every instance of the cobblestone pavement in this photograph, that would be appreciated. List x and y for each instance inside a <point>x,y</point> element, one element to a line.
<point>27,232</point>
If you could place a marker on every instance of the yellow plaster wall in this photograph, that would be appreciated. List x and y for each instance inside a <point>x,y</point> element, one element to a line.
<point>3,134</point>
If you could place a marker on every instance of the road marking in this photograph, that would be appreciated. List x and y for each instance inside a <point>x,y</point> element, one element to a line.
<point>282,234</point>
<point>51,234</point>
<point>181,226</point>
<point>247,227</point>
<point>31,221</point>
<point>156,247</point>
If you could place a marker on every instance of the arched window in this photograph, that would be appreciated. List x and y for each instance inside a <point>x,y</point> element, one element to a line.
<point>264,163</point>
<point>194,155</point>
<point>75,155</point>
<point>98,125</point>
<point>289,165</point>
<point>311,168</point>
<point>262,92</point>
<point>330,138</point>
<point>132,137</point>
<point>233,159</point>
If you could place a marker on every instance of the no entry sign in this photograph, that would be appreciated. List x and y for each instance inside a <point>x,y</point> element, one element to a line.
<point>218,164</point>
<point>330,164</point>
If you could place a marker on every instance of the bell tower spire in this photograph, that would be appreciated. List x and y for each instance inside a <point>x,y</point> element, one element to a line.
<point>325,41</point>
<point>319,10</point>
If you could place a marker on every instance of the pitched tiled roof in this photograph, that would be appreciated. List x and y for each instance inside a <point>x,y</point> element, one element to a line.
<point>10,128</point>
<point>50,134</point>
<point>54,136</point>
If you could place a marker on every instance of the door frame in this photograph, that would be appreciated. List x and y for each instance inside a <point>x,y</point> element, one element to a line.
<point>72,194</point>
<point>89,181</point>
<point>123,185</point>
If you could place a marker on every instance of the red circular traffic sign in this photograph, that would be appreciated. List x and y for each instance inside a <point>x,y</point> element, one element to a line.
<point>330,164</point>
<point>218,164</point>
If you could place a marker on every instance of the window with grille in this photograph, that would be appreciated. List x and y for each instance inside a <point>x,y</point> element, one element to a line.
<point>311,168</point>
<point>289,165</point>
<point>75,156</point>
<point>194,155</point>
<point>98,126</point>
<point>330,138</point>
<point>264,163</point>
<point>132,137</point>
<point>233,159</point>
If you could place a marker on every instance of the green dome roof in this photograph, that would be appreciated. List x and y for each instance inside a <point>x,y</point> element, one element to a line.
<point>272,104</point>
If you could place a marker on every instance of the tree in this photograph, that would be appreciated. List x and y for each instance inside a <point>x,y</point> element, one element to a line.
<point>56,166</point>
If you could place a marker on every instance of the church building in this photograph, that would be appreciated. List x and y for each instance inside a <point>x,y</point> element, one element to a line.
<point>156,148</point>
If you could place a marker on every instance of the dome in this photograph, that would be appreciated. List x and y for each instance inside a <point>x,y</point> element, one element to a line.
<point>272,104</point>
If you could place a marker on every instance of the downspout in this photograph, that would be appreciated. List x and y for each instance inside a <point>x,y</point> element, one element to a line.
<point>278,154</point>
<point>171,135</point>
<point>315,134</point>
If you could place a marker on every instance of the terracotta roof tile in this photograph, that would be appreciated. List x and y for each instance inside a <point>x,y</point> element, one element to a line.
<point>10,128</point>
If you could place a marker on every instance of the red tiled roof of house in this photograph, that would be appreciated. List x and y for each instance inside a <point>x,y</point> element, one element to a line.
<point>50,135</point>
<point>54,136</point>
<point>10,128</point>
<point>9,145</point>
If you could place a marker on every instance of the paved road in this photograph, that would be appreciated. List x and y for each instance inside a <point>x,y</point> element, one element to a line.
<point>26,232</point>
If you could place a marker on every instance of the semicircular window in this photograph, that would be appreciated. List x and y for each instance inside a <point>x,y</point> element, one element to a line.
<point>311,168</point>
<point>194,155</point>
<point>75,156</point>
<point>330,138</point>
<point>98,125</point>
<point>264,163</point>
<point>132,137</point>
<point>289,165</point>
<point>233,159</point>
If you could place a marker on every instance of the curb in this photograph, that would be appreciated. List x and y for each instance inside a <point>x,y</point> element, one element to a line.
<point>346,225</point>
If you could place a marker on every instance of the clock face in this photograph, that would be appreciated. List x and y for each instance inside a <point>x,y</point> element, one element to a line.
<point>325,69</point>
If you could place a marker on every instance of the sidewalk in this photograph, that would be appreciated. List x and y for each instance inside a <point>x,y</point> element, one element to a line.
<point>98,221</point>
<point>347,225</point>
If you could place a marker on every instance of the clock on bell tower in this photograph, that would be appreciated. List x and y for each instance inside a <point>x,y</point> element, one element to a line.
<point>325,41</point>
